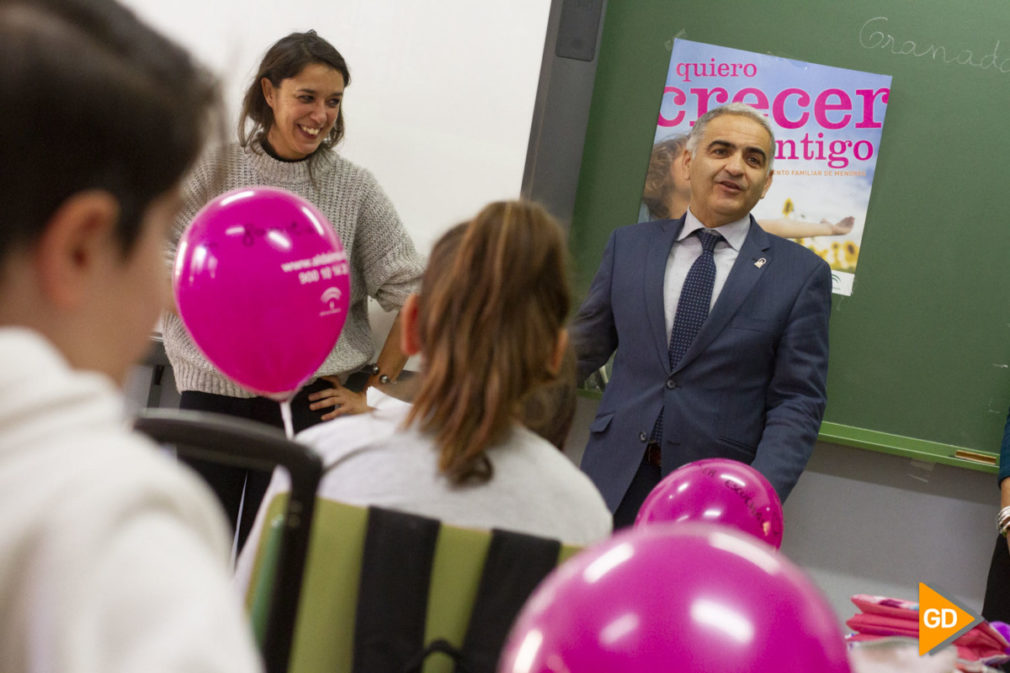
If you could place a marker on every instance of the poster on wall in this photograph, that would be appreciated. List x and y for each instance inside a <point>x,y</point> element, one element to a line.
<point>827,121</point>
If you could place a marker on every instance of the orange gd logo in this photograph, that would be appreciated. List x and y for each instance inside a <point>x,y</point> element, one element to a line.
<point>941,620</point>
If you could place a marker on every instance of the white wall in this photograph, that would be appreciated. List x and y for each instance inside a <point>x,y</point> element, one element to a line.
<point>441,95</point>
<point>866,522</point>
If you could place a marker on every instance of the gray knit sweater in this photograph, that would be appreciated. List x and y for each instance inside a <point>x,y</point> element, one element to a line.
<point>384,262</point>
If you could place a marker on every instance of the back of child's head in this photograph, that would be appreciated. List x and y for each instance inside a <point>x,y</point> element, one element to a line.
<point>492,306</point>
<point>92,99</point>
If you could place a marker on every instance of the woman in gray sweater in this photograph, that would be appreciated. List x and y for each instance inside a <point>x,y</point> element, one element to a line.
<point>292,118</point>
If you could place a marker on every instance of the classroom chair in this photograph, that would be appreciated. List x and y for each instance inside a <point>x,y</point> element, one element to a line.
<point>253,445</point>
<point>390,592</point>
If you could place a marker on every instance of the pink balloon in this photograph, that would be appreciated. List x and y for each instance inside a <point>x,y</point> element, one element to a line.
<point>676,597</point>
<point>262,284</point>
<point>717,490</point>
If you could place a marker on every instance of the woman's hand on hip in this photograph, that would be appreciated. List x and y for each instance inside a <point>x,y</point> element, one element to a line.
<point>343,401</point>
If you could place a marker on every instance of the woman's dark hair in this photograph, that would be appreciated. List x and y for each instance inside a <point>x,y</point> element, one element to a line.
<point>285,59</point>
<point>92,99</point>
<point>492,305</point>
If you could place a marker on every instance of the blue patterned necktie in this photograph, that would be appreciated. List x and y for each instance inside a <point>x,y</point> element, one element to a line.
<point>692,309</point>
<point>695,298</point>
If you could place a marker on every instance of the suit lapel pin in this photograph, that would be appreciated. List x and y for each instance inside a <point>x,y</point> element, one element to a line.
<point>761,262</point>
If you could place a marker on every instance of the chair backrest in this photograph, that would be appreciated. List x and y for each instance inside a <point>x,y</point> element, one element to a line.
<point>230,441</point>
<point>382,590</point>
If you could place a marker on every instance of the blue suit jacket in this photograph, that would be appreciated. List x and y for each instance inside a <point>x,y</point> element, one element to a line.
<point>752,385</point>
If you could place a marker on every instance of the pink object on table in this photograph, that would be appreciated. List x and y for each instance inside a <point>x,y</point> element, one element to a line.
<point>883,617</point>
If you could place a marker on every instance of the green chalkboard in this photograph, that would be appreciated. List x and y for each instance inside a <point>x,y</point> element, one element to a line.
<point>920,351</point>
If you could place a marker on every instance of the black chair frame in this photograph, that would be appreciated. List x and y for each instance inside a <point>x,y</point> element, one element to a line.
<point>252,445</point>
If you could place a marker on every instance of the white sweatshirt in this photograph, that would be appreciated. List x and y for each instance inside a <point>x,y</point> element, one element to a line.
<point>112,558</point>
<point>372,459</point>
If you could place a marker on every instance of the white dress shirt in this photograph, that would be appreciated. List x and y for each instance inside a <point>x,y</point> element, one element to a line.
<point>687,248</point>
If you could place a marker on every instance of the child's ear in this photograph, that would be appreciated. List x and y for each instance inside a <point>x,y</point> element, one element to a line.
<point>409,341</point>
<point>74,243</point>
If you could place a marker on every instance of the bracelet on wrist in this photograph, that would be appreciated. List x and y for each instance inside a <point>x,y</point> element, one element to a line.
<point>1003,521</point>
<point>375,372</point>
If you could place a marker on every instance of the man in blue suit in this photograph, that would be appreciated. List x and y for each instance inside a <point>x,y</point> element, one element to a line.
<point>748,380</point>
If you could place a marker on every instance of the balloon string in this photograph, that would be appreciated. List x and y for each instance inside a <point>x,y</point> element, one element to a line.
<point>286,415</point>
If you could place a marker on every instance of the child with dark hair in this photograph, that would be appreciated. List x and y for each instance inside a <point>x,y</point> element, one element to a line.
<point>113,558</point>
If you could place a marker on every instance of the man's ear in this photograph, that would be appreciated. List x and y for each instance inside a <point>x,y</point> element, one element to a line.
<point>558,356</point>
<point>768,183</point>
<point>410,344</point>
<point>72,247</point>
